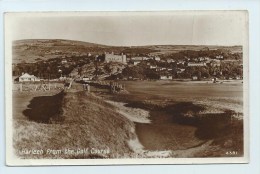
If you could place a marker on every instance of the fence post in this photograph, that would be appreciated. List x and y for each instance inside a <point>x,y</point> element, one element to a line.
<point>88,87</point>
<point>21,87</point>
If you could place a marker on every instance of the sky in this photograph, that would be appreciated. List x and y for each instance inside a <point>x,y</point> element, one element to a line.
<point>133,29</point>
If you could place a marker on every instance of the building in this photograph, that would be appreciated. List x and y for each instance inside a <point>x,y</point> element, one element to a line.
<point>160,69</point>
<point>215,63</point>
<point>170,60</point>
<point>146,58</point>
<point>28,78</point>
<point>220,57</point>
<point>64,61</point>
<point>153,67</point>
<point>180,63</point>
<point>157,58</point>
<point>115,58</point>
<point>180,70</point>
<point>196,64</point>
<point>194,77</point>
<point>86,79</point>
<point>137,62</point>
<point>139,58</point>
<point>238,77</point>
<point>165,77</point>
<point>203,59</point>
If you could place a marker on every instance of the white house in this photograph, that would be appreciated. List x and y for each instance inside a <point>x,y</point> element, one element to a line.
<point>194,77</point>
<point>86,79</point>
<point>180,62</point>
<point>196,64</point>
<point>28,78</point>
<point>180,70</point>
<point>64,61</point>
<point>219,57</point>
<point>137,58</point>
<point>215,63</point>
<point>170,60</point>
<point>137,62</point>
<point>157,58</point>
<point>166,77</point>
<point>153,67</point>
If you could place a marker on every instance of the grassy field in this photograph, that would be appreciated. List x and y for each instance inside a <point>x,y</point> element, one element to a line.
<point>72,120</point>
<point>186,118</point>
<point>220,96</point>
<point>186,115</point>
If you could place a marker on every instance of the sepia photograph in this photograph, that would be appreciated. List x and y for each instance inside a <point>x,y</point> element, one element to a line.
<point>94,88</point>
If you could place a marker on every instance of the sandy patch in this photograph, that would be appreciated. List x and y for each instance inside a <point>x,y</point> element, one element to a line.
<point>133,114</point>
<point>140,116</point>
<point>138,148</point>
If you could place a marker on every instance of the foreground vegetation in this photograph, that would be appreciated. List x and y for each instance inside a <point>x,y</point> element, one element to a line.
<point>81,121</point>
<point>185,121</point>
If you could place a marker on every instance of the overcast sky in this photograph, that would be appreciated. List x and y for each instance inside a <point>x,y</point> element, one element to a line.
<point>132,29</point>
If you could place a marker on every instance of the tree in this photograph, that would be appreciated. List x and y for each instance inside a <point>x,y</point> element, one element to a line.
<point>80,71</point>
<point>199,75</point>
<point>150,74</point>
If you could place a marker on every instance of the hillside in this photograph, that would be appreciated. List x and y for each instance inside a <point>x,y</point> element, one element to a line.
<point>104,70</point>
<point>169,49</point>
<point>43,49</point>
<point>33,50</point>
<point>83,121</point>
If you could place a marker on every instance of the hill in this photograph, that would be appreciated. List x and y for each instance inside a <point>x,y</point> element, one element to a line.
<point>104,70</point>
<point>169,49</point>
<point>34,50</point>
<point>76,120</point>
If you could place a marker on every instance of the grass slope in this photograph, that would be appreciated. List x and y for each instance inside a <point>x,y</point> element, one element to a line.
<point>84,121</point>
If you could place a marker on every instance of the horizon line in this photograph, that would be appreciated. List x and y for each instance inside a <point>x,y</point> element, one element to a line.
<point>134,45</point>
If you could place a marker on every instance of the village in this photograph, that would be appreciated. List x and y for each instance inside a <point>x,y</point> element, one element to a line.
<point>191,65</point>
